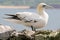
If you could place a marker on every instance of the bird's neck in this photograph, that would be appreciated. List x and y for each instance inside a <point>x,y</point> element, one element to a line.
<point>42,13</point>
<point>40,10</point>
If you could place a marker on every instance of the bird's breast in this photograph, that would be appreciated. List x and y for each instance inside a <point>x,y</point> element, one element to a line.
<point>39,24</point>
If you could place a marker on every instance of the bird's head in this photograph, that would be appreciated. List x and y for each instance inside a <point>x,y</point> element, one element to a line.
<point>41,7</point>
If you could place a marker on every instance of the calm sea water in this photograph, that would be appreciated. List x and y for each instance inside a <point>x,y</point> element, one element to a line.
<point>53,23</point>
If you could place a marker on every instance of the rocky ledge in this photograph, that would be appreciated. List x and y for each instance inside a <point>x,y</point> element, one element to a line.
<point>8,33</point>
<point>38,35</point>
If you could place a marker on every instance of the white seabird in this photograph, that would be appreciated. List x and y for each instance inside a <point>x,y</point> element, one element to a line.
<point>34,20</point>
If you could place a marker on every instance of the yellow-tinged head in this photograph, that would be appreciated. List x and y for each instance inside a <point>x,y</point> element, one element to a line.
<point>41,7</point>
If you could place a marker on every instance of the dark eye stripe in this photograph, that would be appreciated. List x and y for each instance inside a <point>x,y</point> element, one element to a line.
<point>44,5</point>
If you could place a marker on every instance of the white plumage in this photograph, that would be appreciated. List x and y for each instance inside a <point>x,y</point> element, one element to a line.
<point>34,20</point>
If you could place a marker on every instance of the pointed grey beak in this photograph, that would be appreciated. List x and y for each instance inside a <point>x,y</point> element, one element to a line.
<point>48,6</point>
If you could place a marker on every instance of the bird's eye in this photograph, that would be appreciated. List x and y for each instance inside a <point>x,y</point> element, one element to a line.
<point>44,5</point>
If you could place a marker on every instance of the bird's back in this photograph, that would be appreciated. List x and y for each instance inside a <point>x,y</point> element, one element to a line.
<point>28,19</point>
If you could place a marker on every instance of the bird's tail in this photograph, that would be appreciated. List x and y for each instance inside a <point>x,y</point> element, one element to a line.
<point>12,18</point>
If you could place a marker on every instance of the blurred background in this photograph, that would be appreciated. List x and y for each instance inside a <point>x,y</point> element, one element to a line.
<point>32,3</point>
<point>14,6</point>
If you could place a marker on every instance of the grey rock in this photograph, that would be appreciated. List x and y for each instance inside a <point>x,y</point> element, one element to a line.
<point>5,31</point>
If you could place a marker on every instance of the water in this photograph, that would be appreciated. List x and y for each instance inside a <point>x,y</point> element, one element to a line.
<point>53,23</point>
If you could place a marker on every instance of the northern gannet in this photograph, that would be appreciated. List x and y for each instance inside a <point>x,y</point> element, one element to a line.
<point>33,20</point>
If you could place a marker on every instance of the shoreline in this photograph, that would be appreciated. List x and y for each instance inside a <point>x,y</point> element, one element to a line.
<point>21,7</point>
<point>27,7</point>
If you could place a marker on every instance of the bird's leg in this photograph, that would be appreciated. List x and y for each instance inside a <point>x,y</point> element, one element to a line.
<point>33,29</point>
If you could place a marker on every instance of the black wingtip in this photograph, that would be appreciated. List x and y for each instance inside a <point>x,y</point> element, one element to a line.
<point>10,14</point>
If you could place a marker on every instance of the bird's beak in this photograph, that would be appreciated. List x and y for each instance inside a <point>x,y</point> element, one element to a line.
<point>48,6</point>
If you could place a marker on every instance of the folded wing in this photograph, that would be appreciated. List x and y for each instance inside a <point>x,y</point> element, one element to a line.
<point>23,18</point>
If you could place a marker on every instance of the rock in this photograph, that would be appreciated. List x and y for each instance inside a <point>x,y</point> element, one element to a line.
<point>38,35</point>
<point>23,35</point>
<point>8,33</point>
<point>5,31</point>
